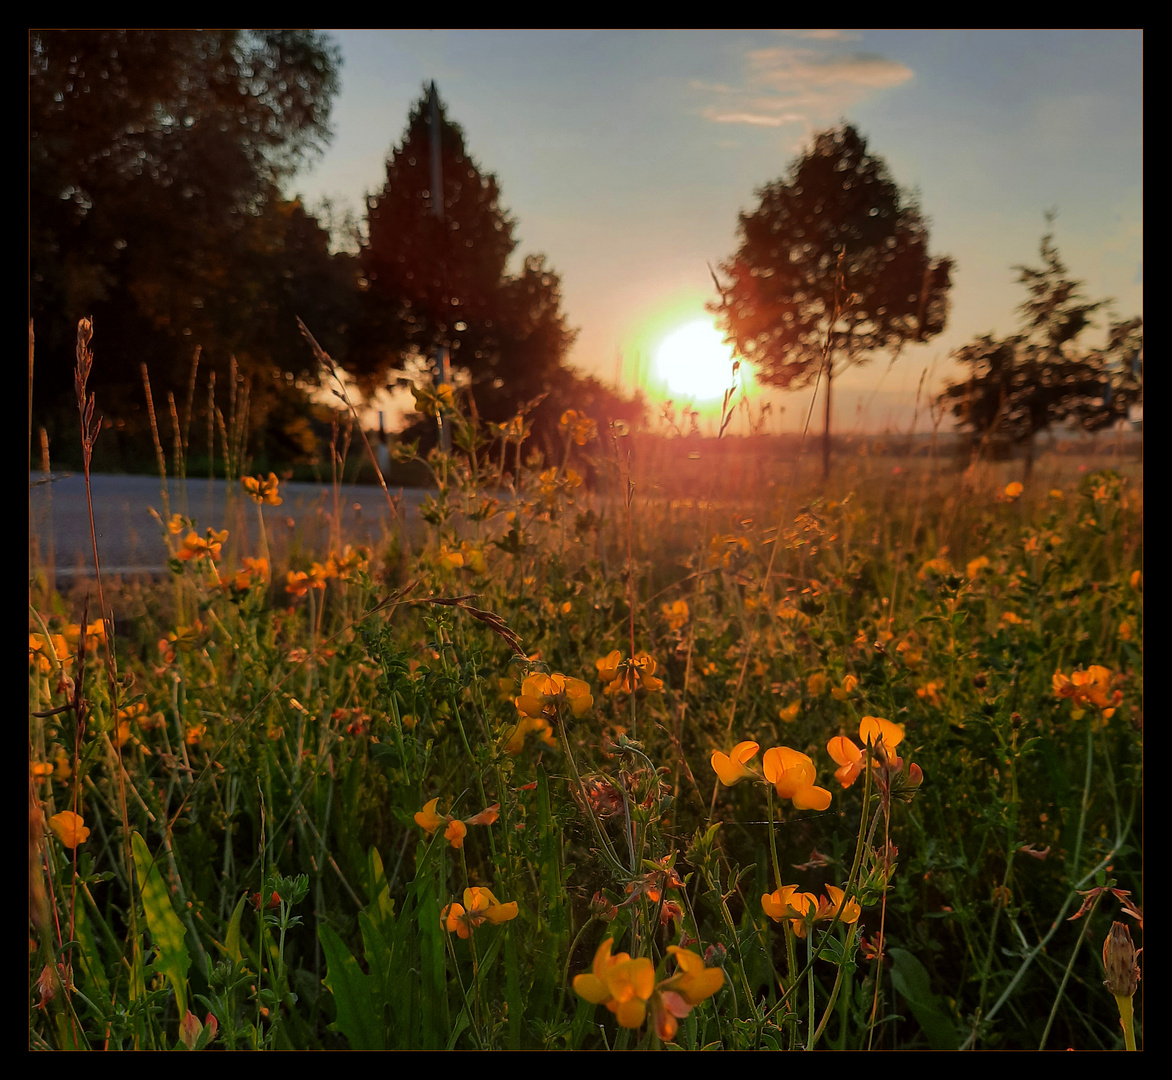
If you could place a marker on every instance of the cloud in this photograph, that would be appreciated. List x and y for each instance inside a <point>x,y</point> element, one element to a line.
<point>827,35</point>
<point>800,84</point>
<point>721,116</point>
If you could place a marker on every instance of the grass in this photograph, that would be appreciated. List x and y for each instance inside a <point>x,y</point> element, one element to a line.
<point>253,749</point>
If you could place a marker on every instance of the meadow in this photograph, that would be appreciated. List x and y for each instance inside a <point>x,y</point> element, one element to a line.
<point>635,748</point>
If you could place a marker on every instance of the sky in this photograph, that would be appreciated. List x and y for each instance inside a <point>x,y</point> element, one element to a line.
<point>626,156</point>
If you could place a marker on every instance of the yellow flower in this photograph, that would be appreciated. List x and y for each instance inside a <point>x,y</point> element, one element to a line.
<point>676,614</point>
<point>479,907</point>
<point>790,713</point>
<point>938,566</point>
<point>95,632</point>
<point>873,729</point>
<point>1090,687</point>
<point>694,981</point>
<point>541,693</point>
<point>254,572</point>
<point>849,758</point>
<point>428,819</point>
<point>975,566</point>
<point>262,490</point>
<point>196,547</point>
<point>731,768</point>
<point>473,558</point>
<point>455,832</point>
<point>850,910</point>
<point>793,774</point>
<point>627,987</point>
<point>626,675</point>
<point>70,828</point>
<point>430,401</point>
<point>841,693</point>
<point>581,429</point>
<point>1014,490</point>
<point>788,903</point>
<point>454,829</point>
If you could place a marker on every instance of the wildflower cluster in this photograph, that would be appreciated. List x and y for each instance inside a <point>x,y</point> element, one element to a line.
<point>454,829</point>
<point>627,987</point>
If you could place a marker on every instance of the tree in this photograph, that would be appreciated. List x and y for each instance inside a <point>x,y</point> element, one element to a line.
<point>1042,376</point>
<point>156,165</point>
<point>440,280</point>
<point>833,266</point>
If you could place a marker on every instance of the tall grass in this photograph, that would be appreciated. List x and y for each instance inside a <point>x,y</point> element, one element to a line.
<point>405,798</point>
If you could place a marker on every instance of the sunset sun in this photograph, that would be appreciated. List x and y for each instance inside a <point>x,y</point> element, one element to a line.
<point>695,363</point>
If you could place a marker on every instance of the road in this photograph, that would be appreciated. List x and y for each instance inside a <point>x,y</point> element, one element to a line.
<point>130,539</point>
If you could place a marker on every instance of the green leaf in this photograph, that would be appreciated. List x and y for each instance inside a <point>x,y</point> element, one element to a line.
<point>910,979</point>
<point>164,925</point>
<point>359,1010</point>
<point>232,944</point>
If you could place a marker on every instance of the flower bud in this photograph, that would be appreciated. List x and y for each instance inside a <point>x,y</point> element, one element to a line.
<point>1122,972</point>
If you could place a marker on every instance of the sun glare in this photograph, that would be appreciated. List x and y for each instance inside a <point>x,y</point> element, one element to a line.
<point>695,363</point>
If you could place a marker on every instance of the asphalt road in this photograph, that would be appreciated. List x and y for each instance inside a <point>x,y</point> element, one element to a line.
<point>130,539</point>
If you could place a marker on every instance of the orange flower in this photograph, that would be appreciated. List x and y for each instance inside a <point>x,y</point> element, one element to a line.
<point>262,490</point>
<point>627,675</point>
<point>455,832</point>
<point>196,547</point>
<point>788,903</point>
<point>873,729</point>
<point>454,829</point>
<point>841,693</point>
<point>827,909</point>
<point>540,695</point>
<point>731,768</point>
<point>676,614</point>
<point>70,828</point>
<point>1090,687</point>
<point>628,989</point>
<point>297,583</point>
<point>479,907</point>
<point>849,758</point>
<point>793,774</point>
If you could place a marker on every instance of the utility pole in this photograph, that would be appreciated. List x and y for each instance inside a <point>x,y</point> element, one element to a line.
<point>443,368</point>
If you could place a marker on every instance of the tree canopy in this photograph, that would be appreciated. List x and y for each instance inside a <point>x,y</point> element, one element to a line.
<point>155,171</point>
<point>1043,376</point>
<point>435,268</point>
<point>833,267</point>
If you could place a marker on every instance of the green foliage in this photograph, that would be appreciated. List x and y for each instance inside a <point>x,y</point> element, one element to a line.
<point>1044,376</point>
<point>157,159</point>
<point>788,297</point>
<point>436,277</point>
<point>336,768</point>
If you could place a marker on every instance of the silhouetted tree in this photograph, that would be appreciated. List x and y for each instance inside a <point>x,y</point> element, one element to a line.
<point>833,266</point>
<point>435,281</point>
<point>1042,376</point>
<point>155,169</point>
